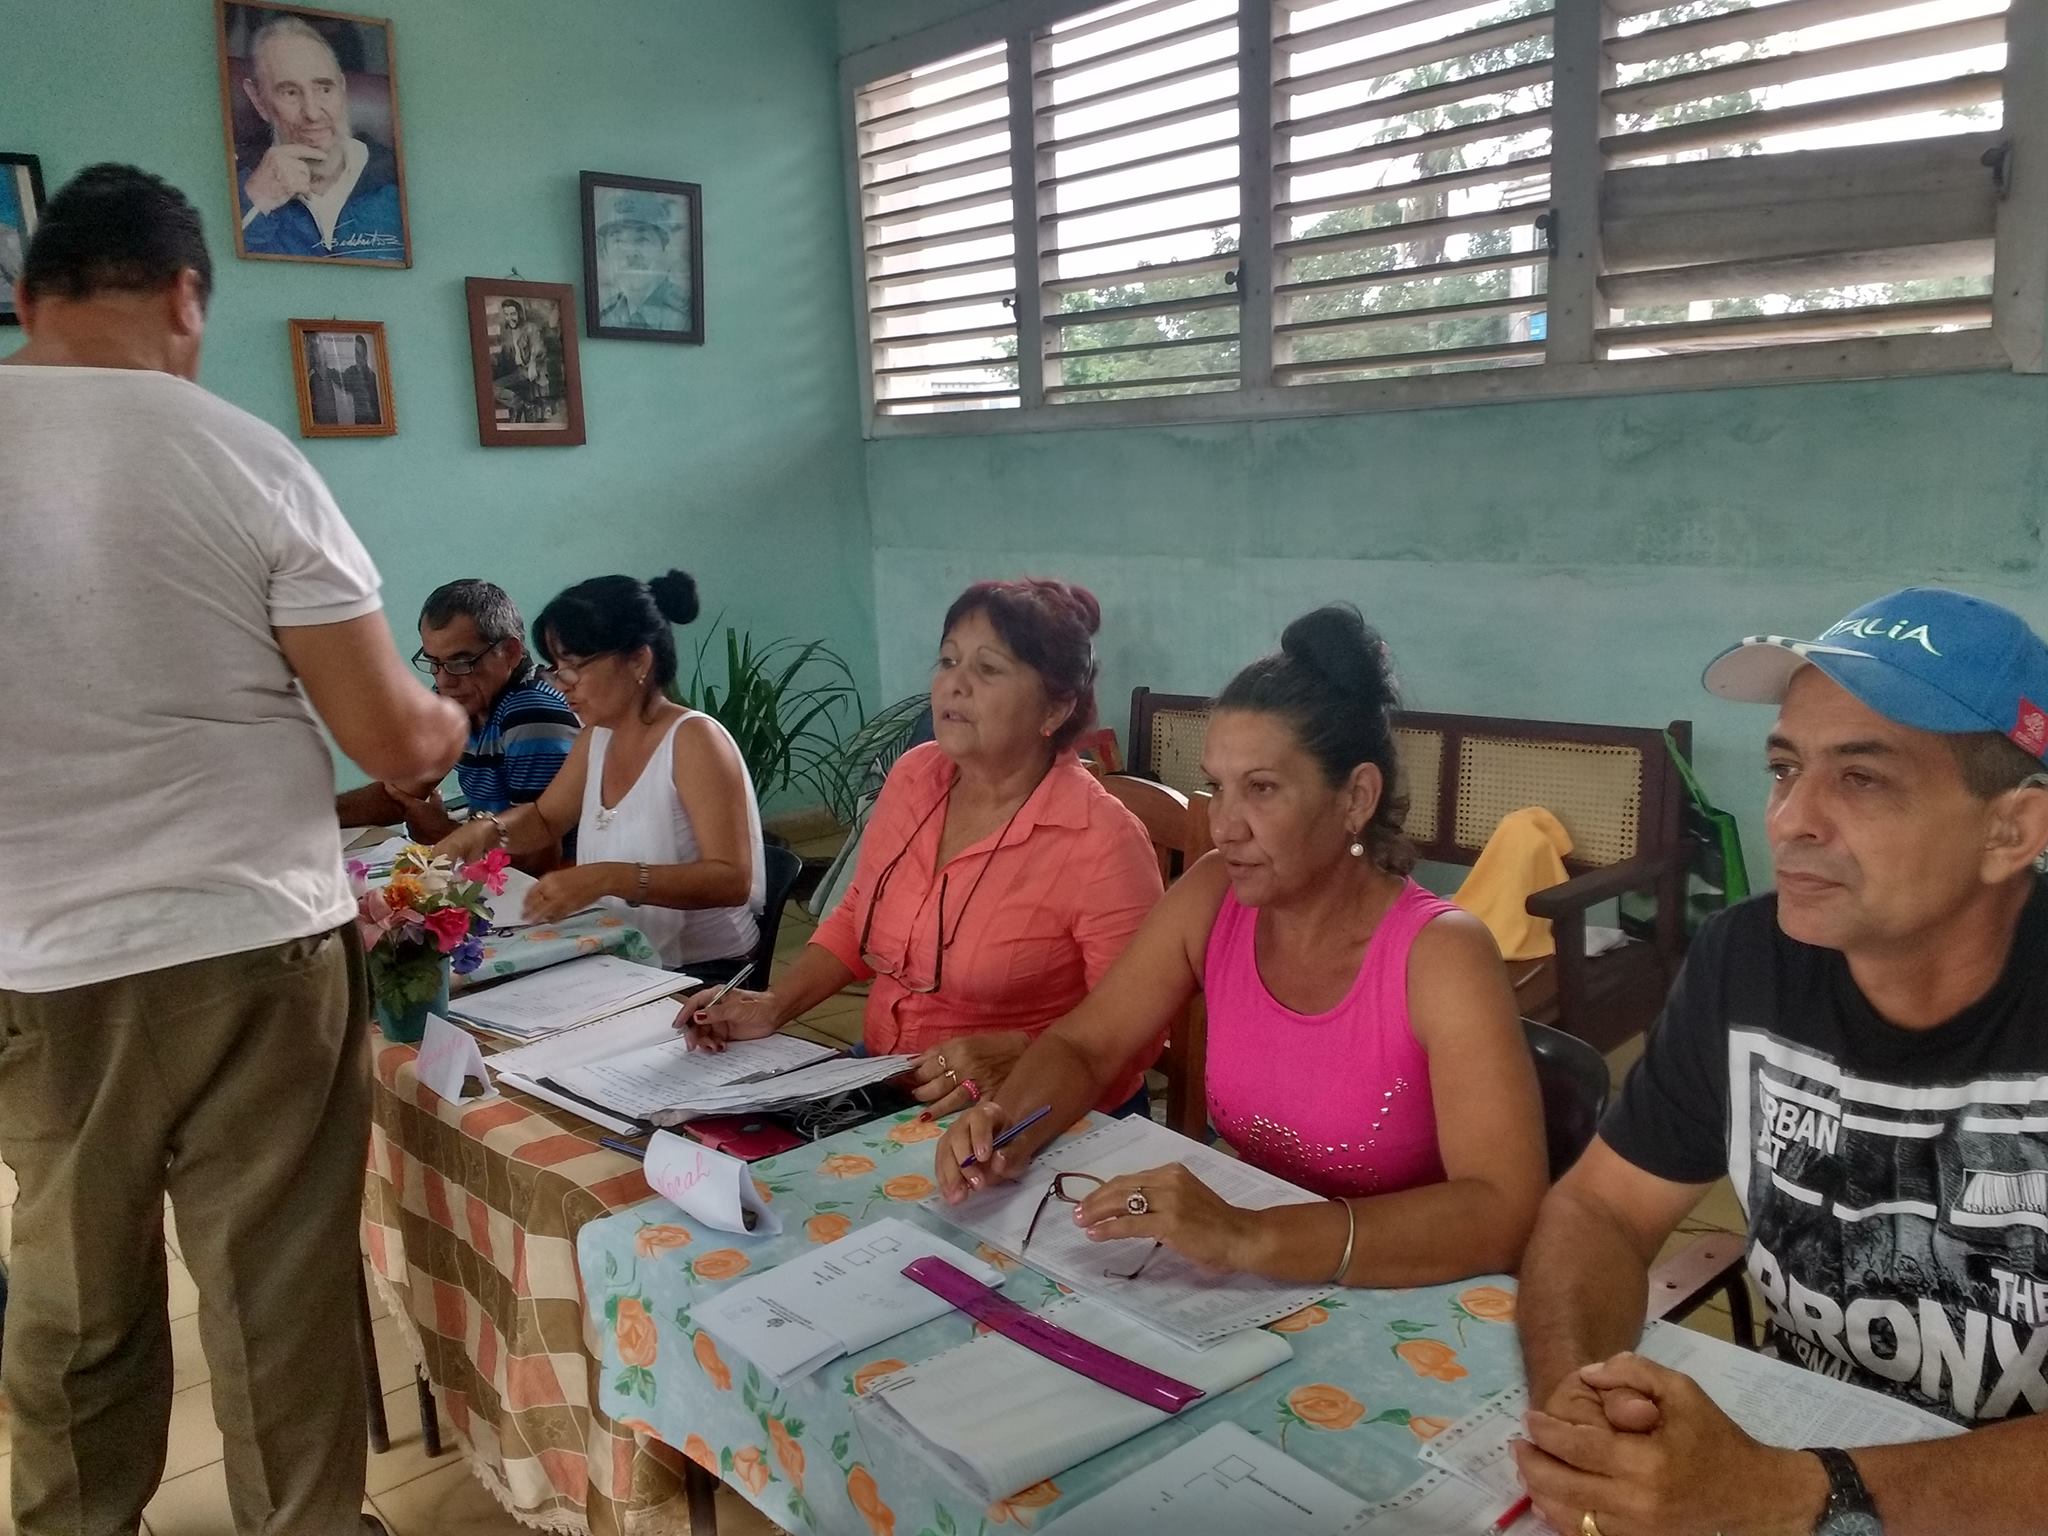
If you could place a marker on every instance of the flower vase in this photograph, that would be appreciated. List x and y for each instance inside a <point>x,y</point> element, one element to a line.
<point>405,996</point>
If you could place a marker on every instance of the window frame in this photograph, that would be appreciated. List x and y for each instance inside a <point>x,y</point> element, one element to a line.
<point>2016,341</point>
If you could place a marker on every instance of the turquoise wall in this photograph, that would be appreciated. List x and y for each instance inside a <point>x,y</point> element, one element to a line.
<point>739,460</point>
<point>1577,560</point>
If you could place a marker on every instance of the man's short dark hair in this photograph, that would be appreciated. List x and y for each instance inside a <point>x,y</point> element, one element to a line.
<point>486,603</point>
<point>115,227</point>
<point>1992,764</point>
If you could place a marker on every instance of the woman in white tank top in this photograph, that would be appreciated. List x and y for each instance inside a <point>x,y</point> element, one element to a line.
<point>666,819</point>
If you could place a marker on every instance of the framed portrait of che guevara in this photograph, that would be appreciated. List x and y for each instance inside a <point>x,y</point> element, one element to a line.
<point>522,344</point>
<point>643,258</point>
<point>309,108</point>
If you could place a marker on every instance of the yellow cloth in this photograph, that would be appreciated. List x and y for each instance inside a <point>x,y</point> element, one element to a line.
<point>1525,854</point>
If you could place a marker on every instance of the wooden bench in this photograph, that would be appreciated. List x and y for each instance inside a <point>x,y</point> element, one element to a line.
<point>1613,787</point>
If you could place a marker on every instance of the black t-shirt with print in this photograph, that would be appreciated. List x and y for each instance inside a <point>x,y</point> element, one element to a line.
<point>1895,1181</point>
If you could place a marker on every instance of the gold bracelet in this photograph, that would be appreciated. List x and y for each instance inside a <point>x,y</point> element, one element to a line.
<point>1350,1239</point>
<point>640,890</point>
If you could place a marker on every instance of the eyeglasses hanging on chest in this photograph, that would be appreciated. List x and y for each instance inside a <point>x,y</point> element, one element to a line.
<point>899,970</point>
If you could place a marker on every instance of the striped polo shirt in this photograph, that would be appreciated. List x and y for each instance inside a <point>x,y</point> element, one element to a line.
<point>520,747</point>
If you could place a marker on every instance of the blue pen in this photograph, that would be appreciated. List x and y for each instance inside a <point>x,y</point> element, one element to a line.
<point>626,1147</point>
<point>1010,1135</point>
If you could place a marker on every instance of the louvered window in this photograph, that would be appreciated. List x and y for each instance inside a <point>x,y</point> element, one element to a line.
<point>1411,169</point>
<point>1205,210</point>
<point>1138,200</point>
<point>936,230</point>
<point>1810,170</point>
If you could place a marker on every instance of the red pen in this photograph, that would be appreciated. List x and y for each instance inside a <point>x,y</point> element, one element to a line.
<point>1515,1512</point>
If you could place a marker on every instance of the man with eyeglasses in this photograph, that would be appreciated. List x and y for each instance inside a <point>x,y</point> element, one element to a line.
<point>520,726</point>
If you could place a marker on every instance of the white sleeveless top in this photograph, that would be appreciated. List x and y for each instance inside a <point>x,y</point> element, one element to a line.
<point>650,826</point>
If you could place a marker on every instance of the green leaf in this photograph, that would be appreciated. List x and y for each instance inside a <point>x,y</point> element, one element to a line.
<point>611,1268</point>
<point>725,1459</point>
<point>945,1520</point>
<point>753,1379</point>
<point>840,1442</point>
<point>624,1385</point>
<point>644,1387</point>
<point>1390,1416</point>
<point>611,1310</point>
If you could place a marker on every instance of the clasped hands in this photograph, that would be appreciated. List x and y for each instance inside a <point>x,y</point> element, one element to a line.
<point>1645,1451</point>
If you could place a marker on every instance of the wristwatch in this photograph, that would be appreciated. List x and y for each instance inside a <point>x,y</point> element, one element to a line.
<point>1850,1510</point>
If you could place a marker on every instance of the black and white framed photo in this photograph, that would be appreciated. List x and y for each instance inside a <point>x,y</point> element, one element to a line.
<point>21,206</point>
<point>344,378</point>
<point>522,341</point>
<point>643,258</point>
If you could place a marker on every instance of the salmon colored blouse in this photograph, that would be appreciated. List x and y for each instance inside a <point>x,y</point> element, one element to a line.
<point>1034,914</point>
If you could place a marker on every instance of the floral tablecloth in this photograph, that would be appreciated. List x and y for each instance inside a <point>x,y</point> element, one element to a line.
<point>1374,1373</point>
<point>470,1216</point>
<point>534,949</point>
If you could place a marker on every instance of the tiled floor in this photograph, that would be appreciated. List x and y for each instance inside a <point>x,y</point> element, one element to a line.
<point>415,1496</point>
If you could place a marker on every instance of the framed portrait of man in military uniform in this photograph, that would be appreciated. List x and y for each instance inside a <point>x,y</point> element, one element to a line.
<point>643,258</point>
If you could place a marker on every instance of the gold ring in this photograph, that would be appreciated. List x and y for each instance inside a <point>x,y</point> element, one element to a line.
<point>942,1063</point>
<point>1588,1526</point>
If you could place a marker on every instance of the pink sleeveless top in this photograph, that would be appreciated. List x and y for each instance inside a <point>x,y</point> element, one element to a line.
<point>1336,1102</point>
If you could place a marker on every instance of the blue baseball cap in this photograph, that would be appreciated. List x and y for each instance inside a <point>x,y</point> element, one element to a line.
<point>1926,658</point>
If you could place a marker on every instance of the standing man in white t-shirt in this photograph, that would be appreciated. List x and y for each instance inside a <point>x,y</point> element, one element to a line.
<point>182,1004</point>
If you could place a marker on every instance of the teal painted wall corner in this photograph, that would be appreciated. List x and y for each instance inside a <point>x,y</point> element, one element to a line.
<point>739,460</point>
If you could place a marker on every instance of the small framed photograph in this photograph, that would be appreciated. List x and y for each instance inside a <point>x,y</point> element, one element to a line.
<point>643,258</point>
<point>21,207</point>
<point>522,344</point>
<point>309,107</point>
<point>344,377</point>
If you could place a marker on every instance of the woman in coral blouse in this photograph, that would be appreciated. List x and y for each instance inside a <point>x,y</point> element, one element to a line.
<point>1362,1038</point>
<point>997,880</point>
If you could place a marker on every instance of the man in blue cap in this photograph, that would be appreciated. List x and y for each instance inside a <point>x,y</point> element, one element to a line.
<point>639,263</point>
<point>1864,1052</point>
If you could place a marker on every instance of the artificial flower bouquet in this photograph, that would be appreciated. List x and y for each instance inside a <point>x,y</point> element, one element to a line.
<point>429,918</point>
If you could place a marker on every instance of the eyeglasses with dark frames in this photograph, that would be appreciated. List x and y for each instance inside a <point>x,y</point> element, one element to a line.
<point>942,940</point>
<point>1072,1189</point>
<point>454,666</point>
<point>563,670</point>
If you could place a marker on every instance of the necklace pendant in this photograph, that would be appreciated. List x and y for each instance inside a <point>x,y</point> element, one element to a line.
<point>604,816</point>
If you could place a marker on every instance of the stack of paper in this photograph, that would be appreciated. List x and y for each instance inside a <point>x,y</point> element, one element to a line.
<point>1174,1295</point>
<point>660,1083</point>
<point>997,1417</point>
<point>1774,1401</point>
<point>564,996</point>
<point>837,1300</point>
<point>1224,1482</point>
<point>806,1085</point>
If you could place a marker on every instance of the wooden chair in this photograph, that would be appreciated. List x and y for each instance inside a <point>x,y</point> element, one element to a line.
<point>1613,787</point>
<point>1178,825</point>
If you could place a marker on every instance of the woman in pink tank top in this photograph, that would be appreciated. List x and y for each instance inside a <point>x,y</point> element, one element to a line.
<point>1362,1038</point>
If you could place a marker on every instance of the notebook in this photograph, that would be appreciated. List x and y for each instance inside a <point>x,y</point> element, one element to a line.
<point>996,1417</point>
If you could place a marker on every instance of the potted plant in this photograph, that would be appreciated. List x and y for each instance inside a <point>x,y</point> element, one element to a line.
<point>426,921</point>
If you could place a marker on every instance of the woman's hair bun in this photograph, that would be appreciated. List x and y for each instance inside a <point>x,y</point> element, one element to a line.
<point>1338,645</point>
<point>675,594</point>
<point>1082,602</point>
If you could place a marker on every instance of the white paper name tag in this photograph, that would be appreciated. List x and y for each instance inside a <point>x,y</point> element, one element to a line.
<point>708,1185</point>
<point>449,1060</point>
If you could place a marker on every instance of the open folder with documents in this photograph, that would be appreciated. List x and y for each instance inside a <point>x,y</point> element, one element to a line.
<point>564,996</point>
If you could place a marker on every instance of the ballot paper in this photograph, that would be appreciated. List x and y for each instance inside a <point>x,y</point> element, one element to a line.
<point>566,995</point>
<point>508,907</point>
<point>1224,1482</point>
<point>996,1417</point>
<point>837,1300</point>
<point>714,1188</point>
<point>378,858</point>
<point>655,1082</point>
<point>449,1061</point>
<point>1775,1402</point>
<point>1185,1302</point>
